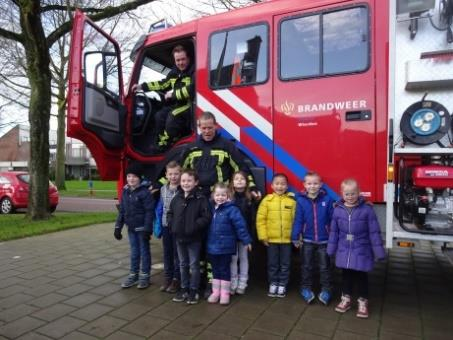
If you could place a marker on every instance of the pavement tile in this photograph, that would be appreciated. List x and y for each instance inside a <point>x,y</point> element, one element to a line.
<point>103,326</point>
<point>67,281</point>
<point>322,312</point>
<point>402,324</point>
<point>43,289</point>
<point>75,289</point>
<point>20,326</point>
<point>274,324</point>
<point>343,335</point>
<point>15,299</point>
<point>79,336</point>
<point>47,300</point>
<point>166,335</point>
<point>132,311</point>
<point>316,326</point>
<point>97,280</point>
<point>91,312</point>
<point>123,335</point>
<point>106,289</point>
<point>246,310</point>
<point>351,323</point>
<point>33,274</point>
<point>61,273</point>
<point>16,312</point>
<point>90,273</point>
<point>288,307</point>
<point>116,273</point>
<point>253,334</point>
<point>100,261</point>
<point>299,335</point>
<point>10,273</point>
<point>53,312</point>
<point>145,326</point>
<point>33,336</point>
<point>169,310</point>
<point>60,327</point>
<point>209,335</point>
<point>396,336</point>
<point>83,299</point>
<point>231,325</point>
<point>11,290</point>
<point>42,280</point>
<point>121,297</point>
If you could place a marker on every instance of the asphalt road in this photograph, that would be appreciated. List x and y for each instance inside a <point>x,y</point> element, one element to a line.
<point>80,204</point>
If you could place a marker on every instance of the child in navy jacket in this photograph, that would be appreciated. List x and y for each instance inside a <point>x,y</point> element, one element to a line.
<point>226,227</point>
<point>311,229</point>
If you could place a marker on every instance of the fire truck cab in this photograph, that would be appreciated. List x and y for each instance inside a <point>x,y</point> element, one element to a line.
<point>339,87</point>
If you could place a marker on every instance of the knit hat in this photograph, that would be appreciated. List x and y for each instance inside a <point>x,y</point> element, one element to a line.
<point>135,169</point>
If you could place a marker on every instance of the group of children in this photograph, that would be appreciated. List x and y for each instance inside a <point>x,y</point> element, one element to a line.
<point>221,226</point>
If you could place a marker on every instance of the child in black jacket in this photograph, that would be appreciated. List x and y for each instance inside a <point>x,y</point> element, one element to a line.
<point>188,218</point>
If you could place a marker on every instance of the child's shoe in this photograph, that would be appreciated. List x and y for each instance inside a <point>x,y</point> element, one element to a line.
<point>173,287</point>
<point>193,297</point>
<point>215,295</point>
<point>130,281</point>
<point>234,285</point>
<point>225,287</point>
<point>281,291</point>
<point>143,281</point>
<point>241,288</point>
<point>344,305</point>
<point>362,310</point>
<point>307,295</point>
<point>272,290</point>
<point>324,297</point>
<point>165,286</point>
<point>181,295</point>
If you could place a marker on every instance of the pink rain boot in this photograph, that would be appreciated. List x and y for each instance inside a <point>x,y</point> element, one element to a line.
<point>225,292</point>
<point>215,295</point>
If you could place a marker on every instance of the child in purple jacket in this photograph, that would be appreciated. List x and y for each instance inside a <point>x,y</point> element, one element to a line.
<point>355,239</point>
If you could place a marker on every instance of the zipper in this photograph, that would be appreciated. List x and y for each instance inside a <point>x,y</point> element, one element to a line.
<point>281,221</point>
<point>349,233</point>
<point>315,221</point>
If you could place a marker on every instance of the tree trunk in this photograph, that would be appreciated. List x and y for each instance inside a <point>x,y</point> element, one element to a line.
<point>61,145</point>
<point>38,71</point>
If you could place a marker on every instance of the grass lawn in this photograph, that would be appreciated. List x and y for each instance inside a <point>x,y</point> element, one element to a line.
<point>16,226</point>
<point>101,189</point>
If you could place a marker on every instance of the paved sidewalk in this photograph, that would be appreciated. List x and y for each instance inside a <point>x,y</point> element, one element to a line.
<point>66,285</point>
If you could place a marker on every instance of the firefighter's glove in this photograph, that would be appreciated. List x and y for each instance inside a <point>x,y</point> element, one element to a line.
<point>117,234</point>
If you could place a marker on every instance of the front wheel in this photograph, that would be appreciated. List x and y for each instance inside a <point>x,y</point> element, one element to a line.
<point>6,206</point>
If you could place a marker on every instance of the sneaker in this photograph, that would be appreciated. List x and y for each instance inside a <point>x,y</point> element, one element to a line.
<point>324,297</point>
<point>281,291</point>
<point>234,286</point>
<point>193,297</point>
<point>143,281</point>
<point>173,287</point>
<point>181,295</point>
<point>165,286</point>
<point>362,310</point>
<point>307,295</point>
<point>344,305</point>
<point>240,290</point>
<point>130,281</point>
<point>272,290</point>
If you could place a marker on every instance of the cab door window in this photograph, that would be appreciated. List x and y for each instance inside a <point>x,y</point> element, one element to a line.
<point>325,43</point>
<point>238,56</point>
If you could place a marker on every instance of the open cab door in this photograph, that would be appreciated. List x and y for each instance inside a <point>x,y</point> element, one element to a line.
<point>96,111</point>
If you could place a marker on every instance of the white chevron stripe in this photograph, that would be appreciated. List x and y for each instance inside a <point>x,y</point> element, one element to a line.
<point>232,128</point>
<point>246,111</point>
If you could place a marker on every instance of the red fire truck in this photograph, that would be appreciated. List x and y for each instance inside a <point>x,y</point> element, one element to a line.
<point>345,88</point>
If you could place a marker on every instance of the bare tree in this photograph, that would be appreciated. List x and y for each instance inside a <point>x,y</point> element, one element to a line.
<point>23,22</point>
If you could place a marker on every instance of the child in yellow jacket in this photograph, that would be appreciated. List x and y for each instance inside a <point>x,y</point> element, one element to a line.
<point>274,221</point>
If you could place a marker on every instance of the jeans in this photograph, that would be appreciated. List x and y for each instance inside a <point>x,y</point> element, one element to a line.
<point>350,277</point>
<point>189,264</point>
<point>220,266</point>
<point>278,263</point>
<point>309,251</point>
<point>140,253</point>
<point>171,261</point>
<point>242,256</point>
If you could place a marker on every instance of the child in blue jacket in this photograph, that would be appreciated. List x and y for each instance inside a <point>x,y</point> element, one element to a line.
<point>226,227</point>
<point>311,230</point>
<point>136,212</point>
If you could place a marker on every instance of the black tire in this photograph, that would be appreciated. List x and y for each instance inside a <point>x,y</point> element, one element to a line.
<point>6,206</point>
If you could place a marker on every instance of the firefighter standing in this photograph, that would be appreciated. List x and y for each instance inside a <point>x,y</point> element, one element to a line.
<point>173,120</point>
